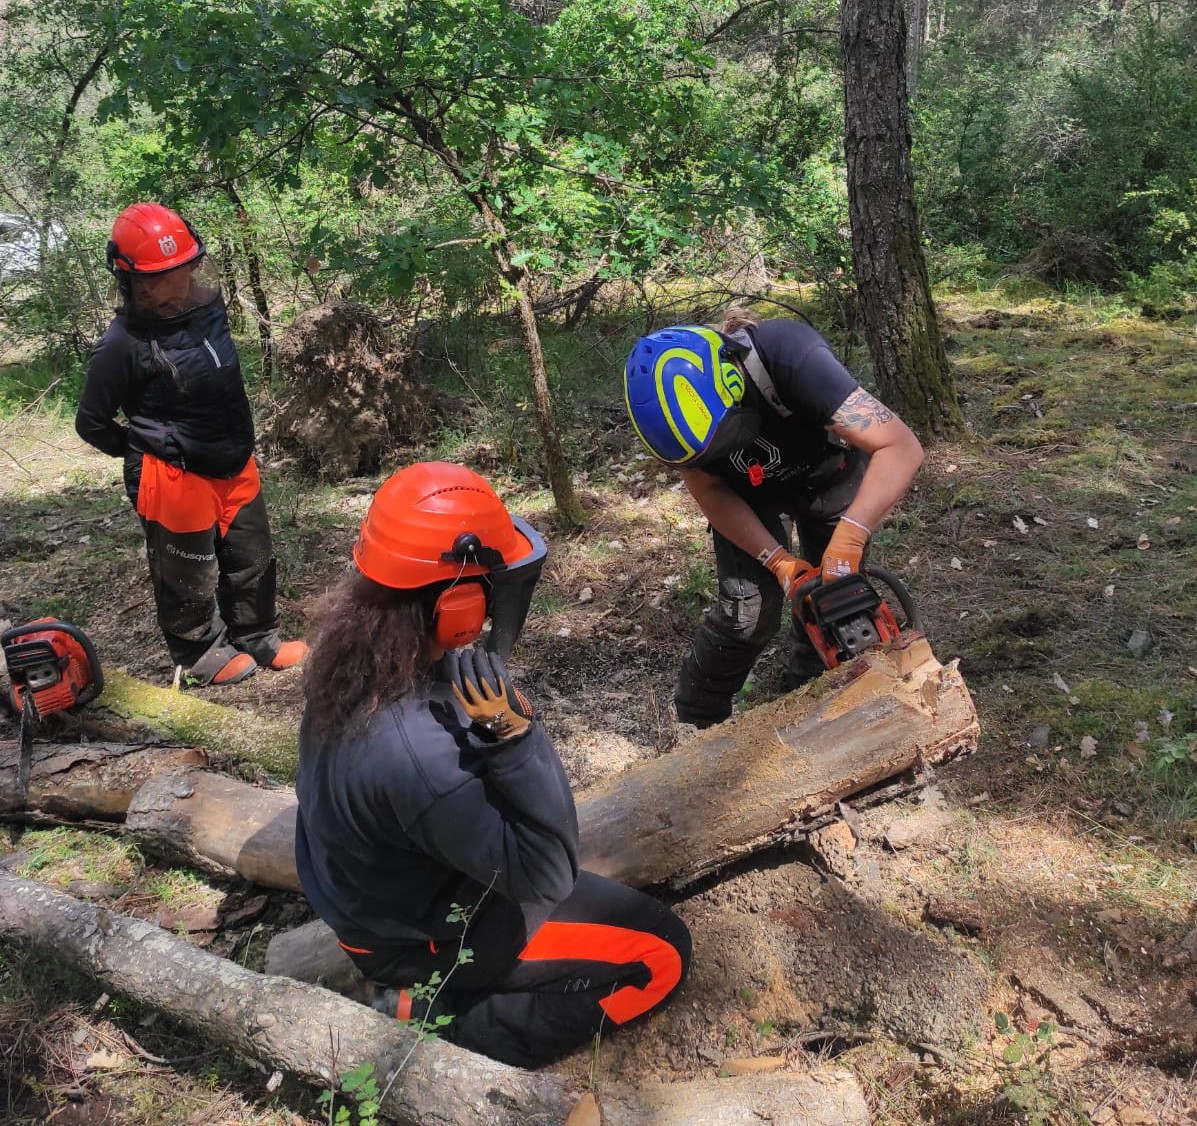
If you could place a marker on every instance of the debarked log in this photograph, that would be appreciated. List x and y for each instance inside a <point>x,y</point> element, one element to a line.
<point>761,778</point>
<point>735,789</point>
<point>318,1035</point>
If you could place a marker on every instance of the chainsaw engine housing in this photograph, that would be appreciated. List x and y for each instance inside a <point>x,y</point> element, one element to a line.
<point>52,664</point>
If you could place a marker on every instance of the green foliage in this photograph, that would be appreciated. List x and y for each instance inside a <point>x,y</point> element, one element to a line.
<point>361,1086</point>
<point>1097,134</point>
<point>1028,1086</point>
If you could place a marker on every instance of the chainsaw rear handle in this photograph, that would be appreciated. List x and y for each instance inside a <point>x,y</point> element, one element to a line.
<point>873,571</point>
<point>52,625</point>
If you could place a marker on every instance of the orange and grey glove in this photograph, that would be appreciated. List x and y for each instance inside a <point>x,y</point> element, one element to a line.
<point>790,571</point>
<point>483,688</point>
<point>846,549</point>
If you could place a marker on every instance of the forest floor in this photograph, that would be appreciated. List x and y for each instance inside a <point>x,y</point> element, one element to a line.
<point>1053,552</point>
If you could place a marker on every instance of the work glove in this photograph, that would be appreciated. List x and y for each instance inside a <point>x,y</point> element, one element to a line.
<point>846,549</point>
<point>483,688</point>
<point>790,571</point>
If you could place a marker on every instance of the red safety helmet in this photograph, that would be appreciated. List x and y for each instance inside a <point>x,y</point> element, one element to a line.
<point>148,238</point>
<point>438,523</point>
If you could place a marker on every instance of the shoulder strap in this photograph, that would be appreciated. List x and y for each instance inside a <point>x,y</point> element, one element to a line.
<point>758,374</point>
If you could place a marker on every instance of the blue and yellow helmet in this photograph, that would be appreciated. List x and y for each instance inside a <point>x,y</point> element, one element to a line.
<point>686,396</point>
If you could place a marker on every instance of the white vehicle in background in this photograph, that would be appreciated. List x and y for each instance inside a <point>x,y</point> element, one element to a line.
<point>21,244</point>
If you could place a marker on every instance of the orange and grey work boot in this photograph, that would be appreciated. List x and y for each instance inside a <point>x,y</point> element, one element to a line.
<point>221,665</point>
<point>241,667</point>
<point>289,653</point>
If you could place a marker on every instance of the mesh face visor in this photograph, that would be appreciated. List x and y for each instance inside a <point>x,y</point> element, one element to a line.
<point>173,295</point>
<point>511,588</point>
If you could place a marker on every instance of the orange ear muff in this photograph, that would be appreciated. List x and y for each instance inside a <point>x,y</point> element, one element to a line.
<point>459,614</point>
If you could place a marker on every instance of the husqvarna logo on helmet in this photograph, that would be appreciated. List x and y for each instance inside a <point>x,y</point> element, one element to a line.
<point>167,245</point>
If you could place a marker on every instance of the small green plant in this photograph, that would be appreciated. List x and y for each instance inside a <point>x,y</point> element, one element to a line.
<point>362,1087</point>
<point>1028,1083</point>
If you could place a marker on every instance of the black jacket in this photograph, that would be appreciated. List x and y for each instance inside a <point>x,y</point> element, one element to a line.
<point>180,389</point>
<point>421,811</point>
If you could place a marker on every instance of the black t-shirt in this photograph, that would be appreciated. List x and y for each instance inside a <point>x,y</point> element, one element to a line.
<point>793,457</point>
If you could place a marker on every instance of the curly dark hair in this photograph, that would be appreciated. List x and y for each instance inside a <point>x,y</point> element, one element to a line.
<point>370,646</point>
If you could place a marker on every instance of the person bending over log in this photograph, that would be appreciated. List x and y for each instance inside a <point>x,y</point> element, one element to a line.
<point>434,813</point>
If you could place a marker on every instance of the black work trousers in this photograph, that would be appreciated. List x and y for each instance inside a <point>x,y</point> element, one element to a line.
<point>540,984</point>
<point>211,561</point>
<point>746,614</point>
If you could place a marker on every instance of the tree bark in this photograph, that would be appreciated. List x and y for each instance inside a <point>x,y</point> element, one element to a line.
<point>86,781</point>
<point>319,1036</point>
<point>909,361</point>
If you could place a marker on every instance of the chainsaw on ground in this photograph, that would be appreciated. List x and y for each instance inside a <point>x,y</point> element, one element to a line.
<point>52,667</point>
<point>847,616</point>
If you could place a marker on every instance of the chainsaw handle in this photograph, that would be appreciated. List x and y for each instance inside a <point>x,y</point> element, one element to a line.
<point>873,571</point>
<point>901,593</point>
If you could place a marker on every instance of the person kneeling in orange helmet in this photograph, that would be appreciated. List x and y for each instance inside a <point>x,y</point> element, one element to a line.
<point>434,813</point>
<point>168,363</point>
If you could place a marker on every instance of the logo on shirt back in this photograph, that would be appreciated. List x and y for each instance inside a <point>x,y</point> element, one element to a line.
<point>167,245</point>
<point>757,461</point>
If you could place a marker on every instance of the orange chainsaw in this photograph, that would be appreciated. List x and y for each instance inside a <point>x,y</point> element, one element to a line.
<point>52,666</point>
<point>847,616</point>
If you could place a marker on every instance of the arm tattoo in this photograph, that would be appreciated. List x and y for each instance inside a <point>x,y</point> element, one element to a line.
<point>860,410</point>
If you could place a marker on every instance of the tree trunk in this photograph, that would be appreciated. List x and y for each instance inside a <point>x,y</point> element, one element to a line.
<point>569,508</point>
<point>253,263</point>
<point>909,361</point>
<point>319,1036</point>
<point>233,737</point>
<point>86,781</point>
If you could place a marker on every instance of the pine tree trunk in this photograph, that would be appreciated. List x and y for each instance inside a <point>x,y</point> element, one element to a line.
<point>909,361</point>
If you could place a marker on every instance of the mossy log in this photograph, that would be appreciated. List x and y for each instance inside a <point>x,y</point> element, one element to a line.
<point>232,737</point>
<point>297,1028</point>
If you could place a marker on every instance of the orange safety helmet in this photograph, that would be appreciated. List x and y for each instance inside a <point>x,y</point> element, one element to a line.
<point>148,238</point>
<point>438,523</point>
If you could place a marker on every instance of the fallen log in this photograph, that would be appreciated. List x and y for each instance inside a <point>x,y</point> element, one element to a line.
<point>763,777</point>
<point>317,1035</point>
<point>231,736</point>
<point>743,786</point>
<point>86,781</point>
<point>218,824</point>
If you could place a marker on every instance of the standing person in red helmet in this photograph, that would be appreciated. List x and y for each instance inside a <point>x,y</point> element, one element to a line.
<point>168,364</point>
<point>434,813</point>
